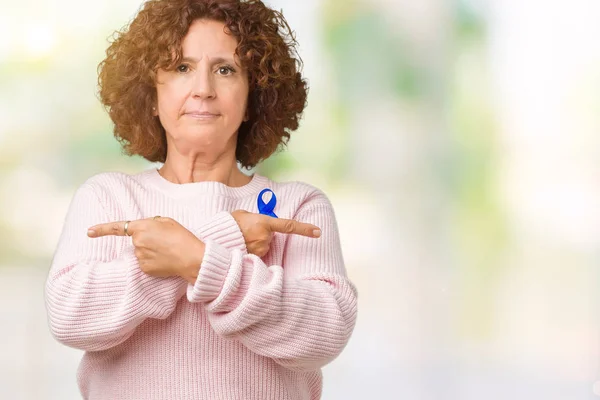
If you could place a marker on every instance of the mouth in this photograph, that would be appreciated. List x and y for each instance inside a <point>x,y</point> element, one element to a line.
<point>202,115</point>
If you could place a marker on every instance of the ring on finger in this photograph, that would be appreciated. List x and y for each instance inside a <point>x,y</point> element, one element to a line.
<point>125,228</point>
<point>157,217</point>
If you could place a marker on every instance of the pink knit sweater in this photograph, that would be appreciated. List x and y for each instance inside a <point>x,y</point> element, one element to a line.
<point>249,328</point>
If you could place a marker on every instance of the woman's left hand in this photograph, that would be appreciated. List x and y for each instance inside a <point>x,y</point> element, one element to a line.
<point>163,247</point>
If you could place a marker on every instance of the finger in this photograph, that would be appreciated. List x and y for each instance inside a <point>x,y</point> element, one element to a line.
<point>293,227</point>
<point>113,228</point>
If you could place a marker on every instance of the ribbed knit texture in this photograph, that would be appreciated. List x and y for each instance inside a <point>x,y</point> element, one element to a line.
<point>249,328</point>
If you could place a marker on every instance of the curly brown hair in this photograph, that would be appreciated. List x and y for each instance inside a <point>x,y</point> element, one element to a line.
<point>266,48</point>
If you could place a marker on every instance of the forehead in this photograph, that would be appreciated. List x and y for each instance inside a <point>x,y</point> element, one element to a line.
<point>208,37</point>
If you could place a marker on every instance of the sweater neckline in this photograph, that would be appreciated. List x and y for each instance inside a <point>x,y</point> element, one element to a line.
<point>206,187</point>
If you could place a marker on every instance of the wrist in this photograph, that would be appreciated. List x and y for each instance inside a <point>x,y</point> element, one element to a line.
<point>192,268</point>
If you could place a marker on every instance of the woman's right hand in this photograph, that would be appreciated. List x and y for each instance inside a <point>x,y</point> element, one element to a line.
<point>258,230</point>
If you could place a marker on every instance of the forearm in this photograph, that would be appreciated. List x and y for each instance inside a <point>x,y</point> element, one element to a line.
<point>302,323</point>
<point>222,229</point>
<point>95,306</point>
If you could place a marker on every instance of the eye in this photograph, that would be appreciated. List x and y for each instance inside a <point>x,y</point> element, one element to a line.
<point>226,70</point>
<point>182,68</point>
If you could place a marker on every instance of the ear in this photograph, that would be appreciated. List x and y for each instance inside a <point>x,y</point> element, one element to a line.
<point>154,112</point>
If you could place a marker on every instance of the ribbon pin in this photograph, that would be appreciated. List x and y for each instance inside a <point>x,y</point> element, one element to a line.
<point>267,209</point>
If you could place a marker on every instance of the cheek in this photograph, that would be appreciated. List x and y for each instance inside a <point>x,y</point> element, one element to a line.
<point>169,104</point>
<point>171,96</point>
<point>165,99</point>
<point>237,100</point>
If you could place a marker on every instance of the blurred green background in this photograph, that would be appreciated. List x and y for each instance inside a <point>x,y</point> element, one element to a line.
<point>458,142</point>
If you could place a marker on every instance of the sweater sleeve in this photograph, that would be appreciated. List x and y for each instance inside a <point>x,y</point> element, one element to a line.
<point>222,229</point>
<point>96,294</point>
<point>301,313</point>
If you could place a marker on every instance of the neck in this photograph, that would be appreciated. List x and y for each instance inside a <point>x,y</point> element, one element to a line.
<point>181,169</point>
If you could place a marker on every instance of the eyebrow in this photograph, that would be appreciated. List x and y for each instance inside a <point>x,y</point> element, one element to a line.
<point>216,60</point>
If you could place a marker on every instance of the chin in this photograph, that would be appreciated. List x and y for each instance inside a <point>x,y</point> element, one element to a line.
<point>201,140</point>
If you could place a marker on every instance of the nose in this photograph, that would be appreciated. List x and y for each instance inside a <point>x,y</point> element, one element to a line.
<point>203,85</point>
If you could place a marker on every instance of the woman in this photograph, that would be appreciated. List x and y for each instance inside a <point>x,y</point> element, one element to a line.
<point>191,283</point>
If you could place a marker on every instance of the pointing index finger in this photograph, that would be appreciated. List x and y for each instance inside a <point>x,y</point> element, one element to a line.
<point>112,228</point>
<point>294,227</point>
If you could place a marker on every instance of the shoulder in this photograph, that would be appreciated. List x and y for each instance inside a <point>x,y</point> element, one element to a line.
<point>114,184</point>
<point>300,196</point>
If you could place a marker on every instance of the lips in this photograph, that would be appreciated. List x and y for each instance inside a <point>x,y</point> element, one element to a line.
<point>202,114</point>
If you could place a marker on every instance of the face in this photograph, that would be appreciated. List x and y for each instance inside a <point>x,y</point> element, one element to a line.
<point>202,103</point>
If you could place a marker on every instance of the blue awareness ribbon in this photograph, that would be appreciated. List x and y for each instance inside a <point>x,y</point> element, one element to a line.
<point>267,209</point>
